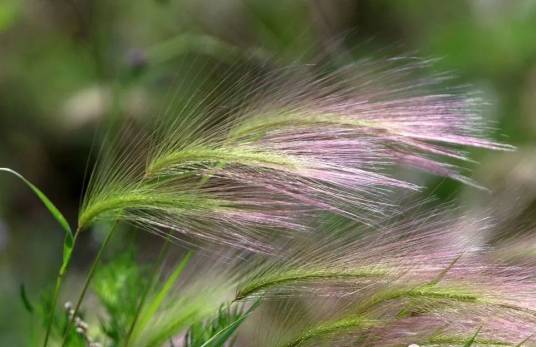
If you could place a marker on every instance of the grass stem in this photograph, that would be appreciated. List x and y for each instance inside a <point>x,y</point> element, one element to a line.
<point>88,280</point>
<point>57,288</point>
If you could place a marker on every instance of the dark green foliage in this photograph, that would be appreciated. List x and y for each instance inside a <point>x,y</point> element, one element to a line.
<point>219,331</point>
<point>57,321</point>
<point>118,286</point>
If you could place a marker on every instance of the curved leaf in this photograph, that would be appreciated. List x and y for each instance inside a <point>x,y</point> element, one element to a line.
<point>45,200</point>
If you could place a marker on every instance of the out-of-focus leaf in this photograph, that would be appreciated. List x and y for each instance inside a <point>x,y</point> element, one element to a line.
<point>156,302</point>
<point>471,341</point>
<point>69,236</point>
<point>223,335</point>
<point>25,301</point>
<point>9,11</point>
<point>45,200</point>
<point>118,286</point>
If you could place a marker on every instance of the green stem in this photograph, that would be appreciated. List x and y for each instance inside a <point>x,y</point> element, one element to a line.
<point>59,282</point>
<point>88,280</point>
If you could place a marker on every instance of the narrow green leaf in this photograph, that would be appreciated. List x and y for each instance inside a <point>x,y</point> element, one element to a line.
<point>224,334</point>
<point>24,297</point>
<point>45,200</point>
<point>442,274</point>
<point>156,302</point>
<point>471,341</point>
<point>68,242</point>
<point>524,340</point>
<point>178,315</point>
<point>157,273</point>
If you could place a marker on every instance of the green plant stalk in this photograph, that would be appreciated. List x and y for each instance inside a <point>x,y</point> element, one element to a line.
<point>59,282</point>
<point>88,280</point>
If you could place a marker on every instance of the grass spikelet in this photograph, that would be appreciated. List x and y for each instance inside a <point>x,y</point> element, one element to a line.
<point>265,150</point>
<point>427,286</point>
<point>333,328</point>
<point>304,275</point>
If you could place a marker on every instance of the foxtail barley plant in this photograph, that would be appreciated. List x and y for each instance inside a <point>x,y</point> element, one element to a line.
<point>301,143</point>
<point>285,180</point>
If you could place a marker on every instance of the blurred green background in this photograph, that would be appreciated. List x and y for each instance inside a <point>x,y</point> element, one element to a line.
<point>65,65</point>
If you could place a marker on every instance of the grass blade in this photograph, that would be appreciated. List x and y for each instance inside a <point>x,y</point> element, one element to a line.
<point>219,339</point>
<point>45,200</point>
<point>24,298</point>
<point>150,285</point>
<point>156,302</point>
<point>471,341</point>
<point>68,242</point>
<point>524,340</point>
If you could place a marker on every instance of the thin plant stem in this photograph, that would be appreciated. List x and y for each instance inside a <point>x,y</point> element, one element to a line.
<point>88,280</point>
<point>59,282</point>
<point>160,261</point>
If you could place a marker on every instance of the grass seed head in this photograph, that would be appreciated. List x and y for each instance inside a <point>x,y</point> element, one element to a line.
<point>264,153</point>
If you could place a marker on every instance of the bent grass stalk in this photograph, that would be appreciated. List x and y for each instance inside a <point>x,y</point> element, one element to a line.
<point>330,328</point>
<point>300,275</point>
<point>297,142</point>
<point>143,199</point>
<point>316,146</point>
<point>425,292</point>
<point>221,156</point>
<point>359,320</point>
<point>433,292</point>
<point>260,125</point>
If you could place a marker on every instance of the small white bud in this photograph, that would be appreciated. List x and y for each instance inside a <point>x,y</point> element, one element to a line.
<point>68,306</point>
